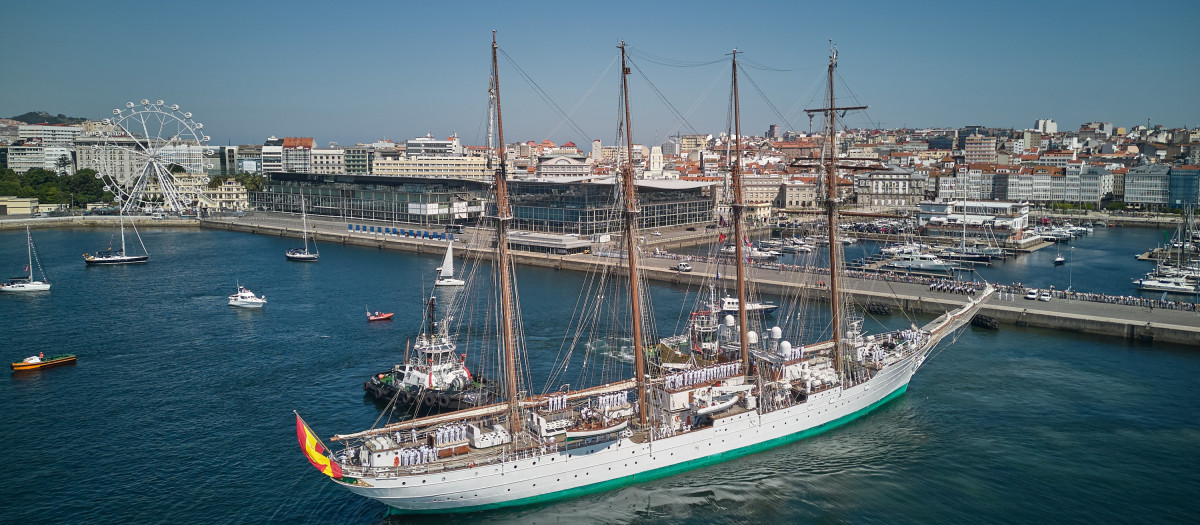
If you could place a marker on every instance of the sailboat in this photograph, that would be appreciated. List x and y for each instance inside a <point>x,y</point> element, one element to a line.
<point>446,270</point>
<point>119,256</point>
<point>1060,260</point>
<point>296,254</point>
<point>26,283</point>
<point>531,449</point>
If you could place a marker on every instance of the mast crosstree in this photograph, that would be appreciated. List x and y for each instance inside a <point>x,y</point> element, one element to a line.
<point>832,200</point>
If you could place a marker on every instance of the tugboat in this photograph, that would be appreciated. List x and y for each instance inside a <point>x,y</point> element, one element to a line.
<point>435,378</point>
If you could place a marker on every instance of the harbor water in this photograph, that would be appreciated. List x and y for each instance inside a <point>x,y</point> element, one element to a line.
<point>180,407</point>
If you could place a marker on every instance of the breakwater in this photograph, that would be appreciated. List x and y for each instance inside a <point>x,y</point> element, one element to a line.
<point>1127,321</point>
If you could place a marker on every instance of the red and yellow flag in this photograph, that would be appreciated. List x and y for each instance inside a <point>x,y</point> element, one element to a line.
<point>314,451</point>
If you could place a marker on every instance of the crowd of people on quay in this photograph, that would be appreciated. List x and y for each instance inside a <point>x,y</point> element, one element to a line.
<point>1009,292</point>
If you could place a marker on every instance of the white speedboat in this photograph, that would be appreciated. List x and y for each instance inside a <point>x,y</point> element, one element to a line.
<point>25,283</point>
<point>244,298</point>
<point>729,306</point>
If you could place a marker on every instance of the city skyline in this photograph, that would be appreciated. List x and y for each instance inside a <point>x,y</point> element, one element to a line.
<point>367,71</point>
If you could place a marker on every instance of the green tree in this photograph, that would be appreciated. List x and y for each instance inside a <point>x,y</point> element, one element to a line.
<point>62,165</point>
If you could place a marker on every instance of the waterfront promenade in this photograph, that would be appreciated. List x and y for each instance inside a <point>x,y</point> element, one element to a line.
<point>1117,316</point>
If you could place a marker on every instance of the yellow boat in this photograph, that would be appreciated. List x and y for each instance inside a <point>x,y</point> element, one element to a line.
<point>44,363</point>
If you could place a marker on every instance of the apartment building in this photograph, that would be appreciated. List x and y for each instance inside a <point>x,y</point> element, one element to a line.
<point>329,161</point>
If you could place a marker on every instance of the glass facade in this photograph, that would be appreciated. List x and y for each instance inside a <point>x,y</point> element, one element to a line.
<point>364,197</point>
<point>585,208</point>
<point>1184,187</point>
<point>556,207</point>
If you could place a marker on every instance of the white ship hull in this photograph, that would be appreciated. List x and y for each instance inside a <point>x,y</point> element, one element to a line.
<point>31,286</point>
<point>551,475</point>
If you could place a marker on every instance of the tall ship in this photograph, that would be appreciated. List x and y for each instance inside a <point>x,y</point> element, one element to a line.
<point>683,406</point>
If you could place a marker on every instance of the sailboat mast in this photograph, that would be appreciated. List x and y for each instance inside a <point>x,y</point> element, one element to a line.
<point>304,223</point>
<point>739,206</point>
<point>29,246</point>
<point>631,213</point>
<point>831,212</point>
<point>123,232</point>
<point>503,216</point>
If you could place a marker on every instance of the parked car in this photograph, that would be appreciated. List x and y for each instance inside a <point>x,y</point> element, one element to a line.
<point>690,228</point>
<point>1032,294</point>
<point>683,267</point>
<point>656,233</point>
<point>1045,295</point>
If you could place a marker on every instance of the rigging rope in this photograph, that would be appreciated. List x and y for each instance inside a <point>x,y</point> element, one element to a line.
<point>663,98</point>
<point>765,98</point>
<point>545,96</point>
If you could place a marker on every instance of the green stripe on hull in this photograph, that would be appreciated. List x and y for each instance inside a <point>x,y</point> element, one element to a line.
<point>664,471</point>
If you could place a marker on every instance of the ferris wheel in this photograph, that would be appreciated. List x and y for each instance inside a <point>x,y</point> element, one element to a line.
<point>153,157</point>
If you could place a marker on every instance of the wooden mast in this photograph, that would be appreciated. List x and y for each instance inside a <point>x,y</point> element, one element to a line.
<point>503,264</point>
<point>739,206</point>
<point>831,211</point>
<point>631,213</point>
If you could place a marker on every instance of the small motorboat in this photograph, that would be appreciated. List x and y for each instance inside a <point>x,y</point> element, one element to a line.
<point>379,316</point>
<point>244,298</point>
<point>39,361</point>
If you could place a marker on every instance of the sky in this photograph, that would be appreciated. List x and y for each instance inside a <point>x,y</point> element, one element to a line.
<point>356,71</point>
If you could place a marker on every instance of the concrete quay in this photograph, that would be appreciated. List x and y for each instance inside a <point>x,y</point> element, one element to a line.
<point>94,221</point>
<point>1114,320</point>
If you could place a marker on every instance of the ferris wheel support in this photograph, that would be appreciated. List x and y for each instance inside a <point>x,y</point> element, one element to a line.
<point>143,147</point>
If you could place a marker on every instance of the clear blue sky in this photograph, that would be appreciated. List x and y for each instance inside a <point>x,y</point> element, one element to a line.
<point>360,71</point>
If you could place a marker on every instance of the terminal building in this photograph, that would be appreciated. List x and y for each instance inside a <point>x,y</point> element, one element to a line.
<point>577,207</point>
<point>986,221</point>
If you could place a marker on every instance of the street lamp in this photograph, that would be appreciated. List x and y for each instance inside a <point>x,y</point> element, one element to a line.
<point>1070,273</point>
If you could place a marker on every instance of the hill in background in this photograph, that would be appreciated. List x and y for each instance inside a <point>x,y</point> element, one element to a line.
<point>38,117</point>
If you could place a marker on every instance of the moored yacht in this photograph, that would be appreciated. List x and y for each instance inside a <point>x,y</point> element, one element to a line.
<point>120,256</point>
<point>923,262</point>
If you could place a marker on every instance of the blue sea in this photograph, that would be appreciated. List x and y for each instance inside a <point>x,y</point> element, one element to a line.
<point>179,409</point>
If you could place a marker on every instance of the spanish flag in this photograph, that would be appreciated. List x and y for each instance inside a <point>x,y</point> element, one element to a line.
<point>314,451</point>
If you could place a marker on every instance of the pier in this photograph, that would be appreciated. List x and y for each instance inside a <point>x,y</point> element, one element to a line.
<point>1138,323</point>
